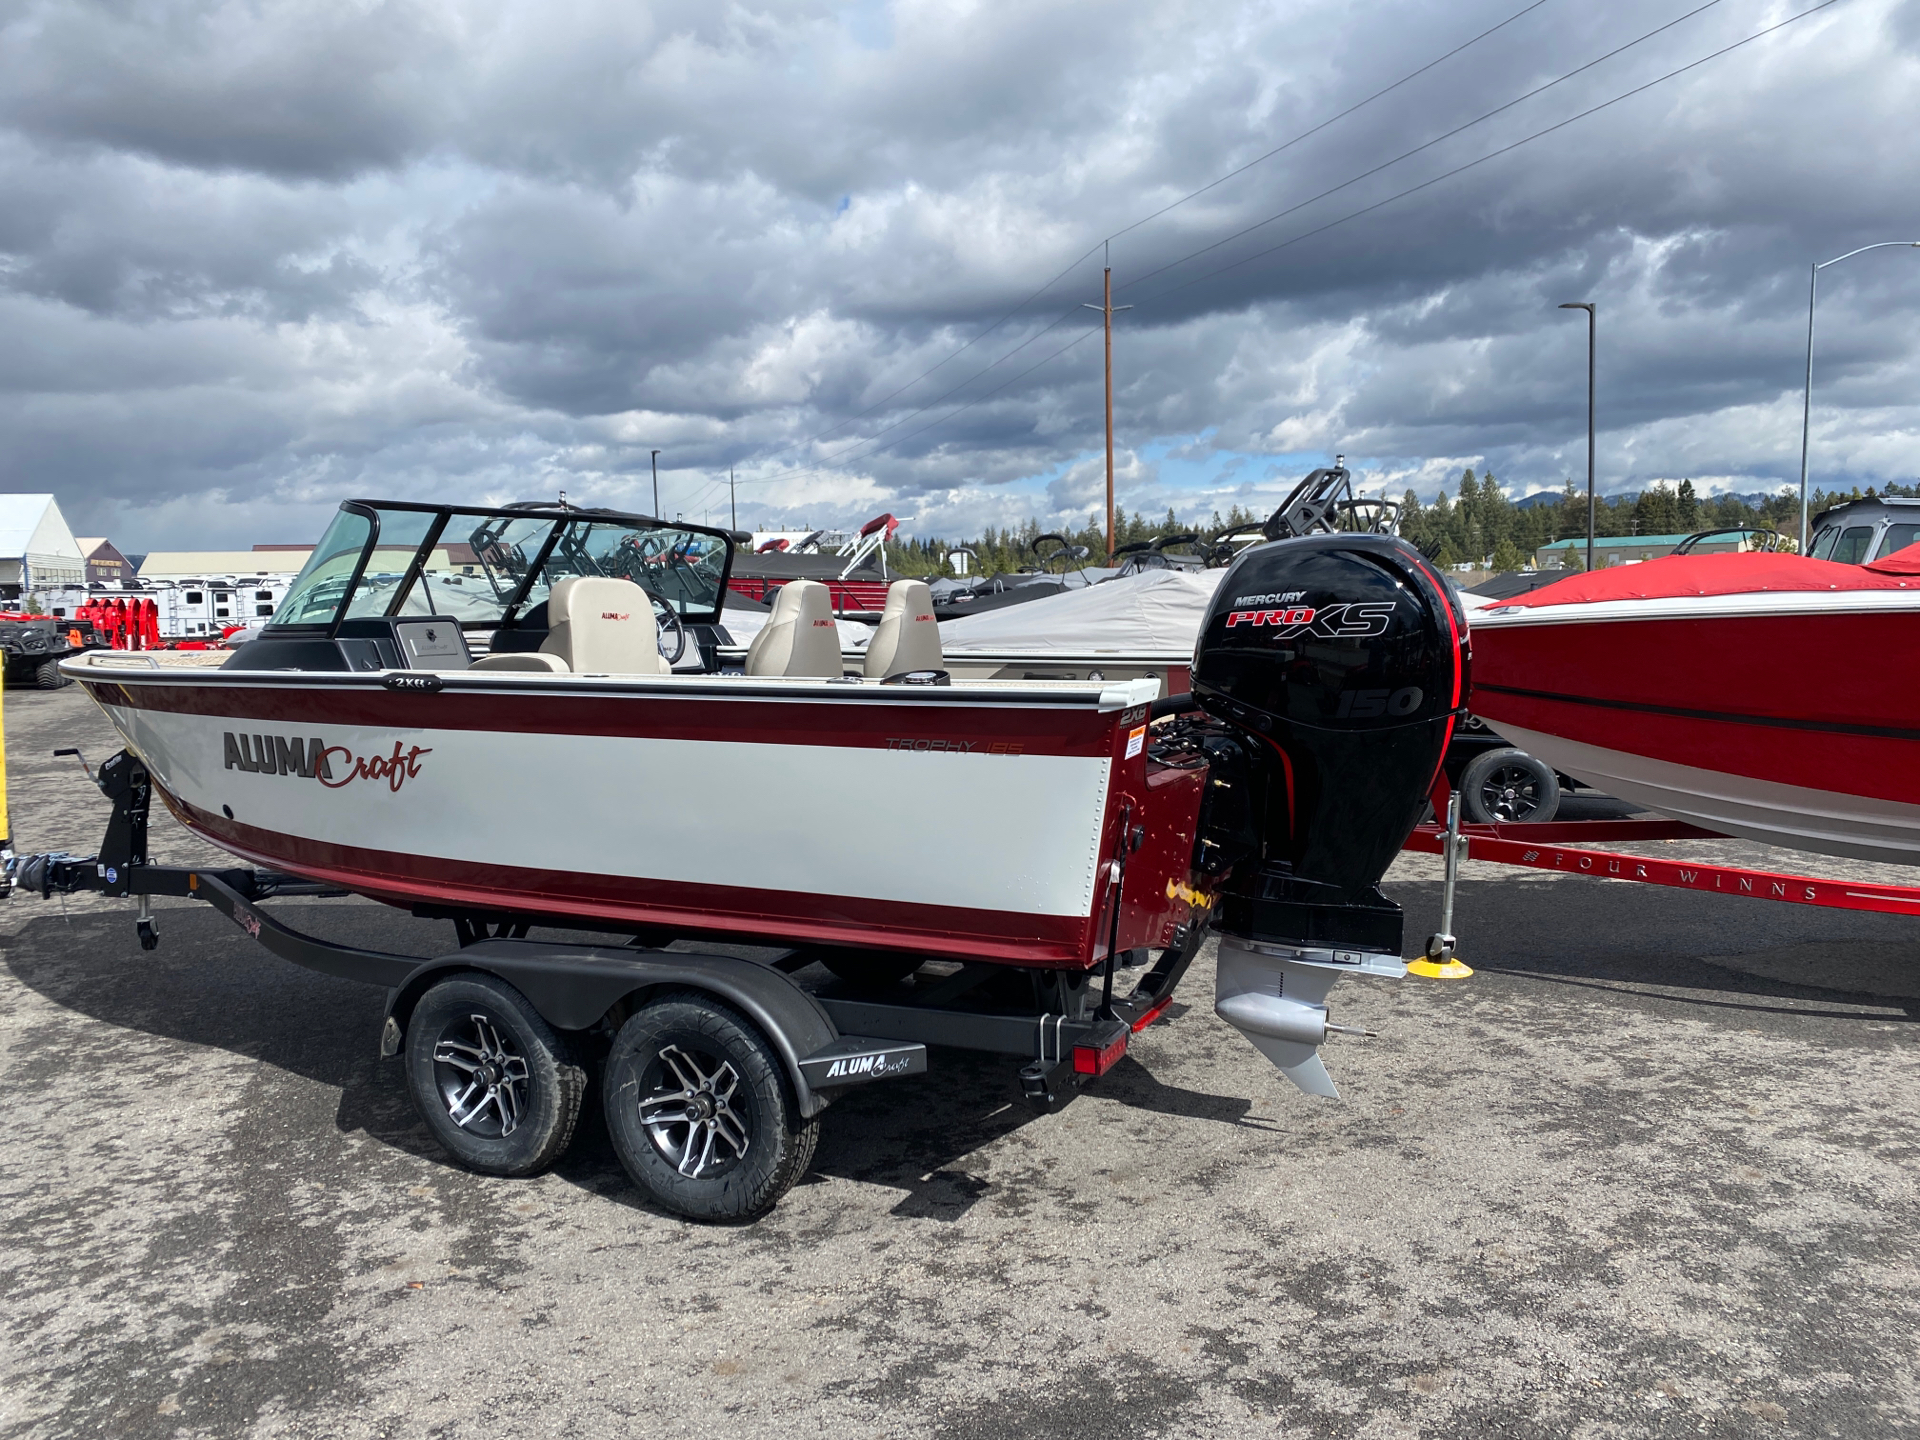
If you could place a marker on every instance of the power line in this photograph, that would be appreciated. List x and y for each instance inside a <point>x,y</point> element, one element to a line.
<point>911,415</point>
<point>1352,215</point>
<point>1213,184</point>
<point>1428,145</point>
<point>1469,165</point>
<point>1308,134</point>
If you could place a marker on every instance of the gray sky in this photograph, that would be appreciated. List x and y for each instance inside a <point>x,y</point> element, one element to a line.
<point>259,257</point>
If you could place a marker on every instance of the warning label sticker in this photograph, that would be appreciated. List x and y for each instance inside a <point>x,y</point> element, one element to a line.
<point>1136,740</point>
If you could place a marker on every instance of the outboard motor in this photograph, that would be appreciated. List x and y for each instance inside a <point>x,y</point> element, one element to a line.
<point>1338,663</point>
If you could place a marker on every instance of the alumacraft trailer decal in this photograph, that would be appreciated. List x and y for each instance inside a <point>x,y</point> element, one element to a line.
<point>315,759</point>
<point>868,1066</point>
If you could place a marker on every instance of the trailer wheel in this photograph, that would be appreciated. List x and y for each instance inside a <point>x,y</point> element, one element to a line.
<point>1504,786</point>
<point>47,676</point>
<point>701,1111</point>
<point>494,1084</point>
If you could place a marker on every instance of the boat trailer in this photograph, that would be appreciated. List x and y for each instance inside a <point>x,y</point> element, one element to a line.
<point>1067,1027</point>
<point>1564,847</point>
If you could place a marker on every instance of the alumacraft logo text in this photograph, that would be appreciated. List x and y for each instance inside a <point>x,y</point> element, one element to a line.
<point>332,765</point>
<point>855,1066</point>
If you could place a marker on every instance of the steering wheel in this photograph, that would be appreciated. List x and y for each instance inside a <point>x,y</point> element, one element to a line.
<point>667,620</point>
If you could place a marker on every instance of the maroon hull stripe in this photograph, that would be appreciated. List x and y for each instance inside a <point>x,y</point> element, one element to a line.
<point>1032,729</point>
<point>1060,942</point>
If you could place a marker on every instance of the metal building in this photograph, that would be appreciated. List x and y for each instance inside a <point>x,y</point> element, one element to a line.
<point>37,549</point>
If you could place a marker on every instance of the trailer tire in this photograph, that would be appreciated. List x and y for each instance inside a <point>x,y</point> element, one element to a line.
<point>701,1110</point>
<point>1509,786</point>
<point>47,676</point>
<point>478,1030</point>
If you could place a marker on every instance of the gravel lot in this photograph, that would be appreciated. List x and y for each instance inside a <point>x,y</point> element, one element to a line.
<point>1650,1172</point>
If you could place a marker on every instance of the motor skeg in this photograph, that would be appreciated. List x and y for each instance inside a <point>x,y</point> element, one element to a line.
<point>1341,661</point>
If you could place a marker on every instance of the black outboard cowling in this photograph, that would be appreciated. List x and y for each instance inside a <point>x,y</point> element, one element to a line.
<point>1343,659</point>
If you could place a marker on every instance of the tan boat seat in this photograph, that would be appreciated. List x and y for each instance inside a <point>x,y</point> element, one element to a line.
<point>799,637</point>
<point>521,660</point>
<point>908,637</point>
<point>596,625</point>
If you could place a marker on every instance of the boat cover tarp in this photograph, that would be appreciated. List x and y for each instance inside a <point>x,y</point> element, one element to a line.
<point>1733,573</point>
<point>1158,612</point>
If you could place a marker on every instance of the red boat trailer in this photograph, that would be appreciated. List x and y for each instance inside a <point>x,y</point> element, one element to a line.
<point>1562,846</point>
<point>846,595</point>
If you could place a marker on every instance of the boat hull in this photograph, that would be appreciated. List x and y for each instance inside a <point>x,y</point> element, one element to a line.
<point>1788,718</point>
<point>780,809</point>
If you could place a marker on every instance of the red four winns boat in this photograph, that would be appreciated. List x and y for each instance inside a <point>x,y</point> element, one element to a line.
<point>1767,696</point>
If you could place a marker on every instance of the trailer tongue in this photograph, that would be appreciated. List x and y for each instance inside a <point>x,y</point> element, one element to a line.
<point>362,754</point>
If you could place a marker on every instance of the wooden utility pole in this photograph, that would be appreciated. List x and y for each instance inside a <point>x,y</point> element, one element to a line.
<point>733,500</point>
<point>1105,307</point>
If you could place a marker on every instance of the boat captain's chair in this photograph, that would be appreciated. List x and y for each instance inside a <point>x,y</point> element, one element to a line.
<point>596,625</point>
<point>799,638</point>
<point>908,637</point>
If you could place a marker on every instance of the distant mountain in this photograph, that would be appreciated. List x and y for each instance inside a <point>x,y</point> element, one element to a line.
<point>1553,497</point>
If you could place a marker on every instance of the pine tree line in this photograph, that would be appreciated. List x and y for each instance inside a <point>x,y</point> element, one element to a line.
<point>1476,526</point>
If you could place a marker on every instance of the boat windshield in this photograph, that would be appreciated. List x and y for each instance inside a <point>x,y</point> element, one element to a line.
<point>483,567</point>
<point>1898,537</point>
<point>1852,546</point>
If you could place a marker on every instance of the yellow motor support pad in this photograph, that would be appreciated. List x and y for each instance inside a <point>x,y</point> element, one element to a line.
<point>1438,969</point>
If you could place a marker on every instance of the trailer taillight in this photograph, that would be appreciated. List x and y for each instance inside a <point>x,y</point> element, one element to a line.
<point>1101,1050</point>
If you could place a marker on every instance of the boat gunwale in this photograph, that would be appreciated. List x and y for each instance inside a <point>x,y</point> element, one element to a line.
<point>1746,604</point>
<point>1112,695</point>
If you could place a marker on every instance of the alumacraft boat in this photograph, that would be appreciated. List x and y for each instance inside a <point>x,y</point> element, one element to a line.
<point>567,776</point>
<point>1768,696</point>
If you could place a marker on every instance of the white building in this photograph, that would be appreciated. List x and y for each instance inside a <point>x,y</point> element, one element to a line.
<point>37,550</point>
<point>203,564</point>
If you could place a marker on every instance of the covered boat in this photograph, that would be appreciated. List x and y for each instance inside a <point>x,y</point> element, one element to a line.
<point>1768,696</point>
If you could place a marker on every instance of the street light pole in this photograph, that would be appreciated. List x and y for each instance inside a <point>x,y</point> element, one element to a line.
<point>656,484</point>
<point>1592,324</point>
<point>1806,398</point>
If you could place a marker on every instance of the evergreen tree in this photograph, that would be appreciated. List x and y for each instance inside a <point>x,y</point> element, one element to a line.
<point>1656,512</point>
<point>1470,532</point>
<point>1412,520</point>
<point>1689,507</point>
<point>1507,556</point>
<point>1496,514</point>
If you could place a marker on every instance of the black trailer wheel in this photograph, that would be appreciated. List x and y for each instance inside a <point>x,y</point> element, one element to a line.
<point>495,1085</point>
<point>871,969</point>
<point>47,676</point>
<point>701,1111</point>
<point>1504,786</point>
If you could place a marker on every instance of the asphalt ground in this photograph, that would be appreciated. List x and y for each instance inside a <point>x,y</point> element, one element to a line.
<point>1650,1172</point>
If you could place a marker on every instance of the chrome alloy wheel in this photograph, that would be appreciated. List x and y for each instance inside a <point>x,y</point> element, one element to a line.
<point>694,1113</point>
<point>481,1079</point>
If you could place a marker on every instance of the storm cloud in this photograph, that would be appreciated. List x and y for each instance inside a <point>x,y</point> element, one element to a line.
<point>257,257</point>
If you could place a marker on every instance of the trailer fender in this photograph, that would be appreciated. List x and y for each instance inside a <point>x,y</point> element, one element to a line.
<point>574,986</point>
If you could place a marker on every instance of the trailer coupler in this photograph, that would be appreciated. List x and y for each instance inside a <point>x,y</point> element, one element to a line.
<point>121,867</point>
